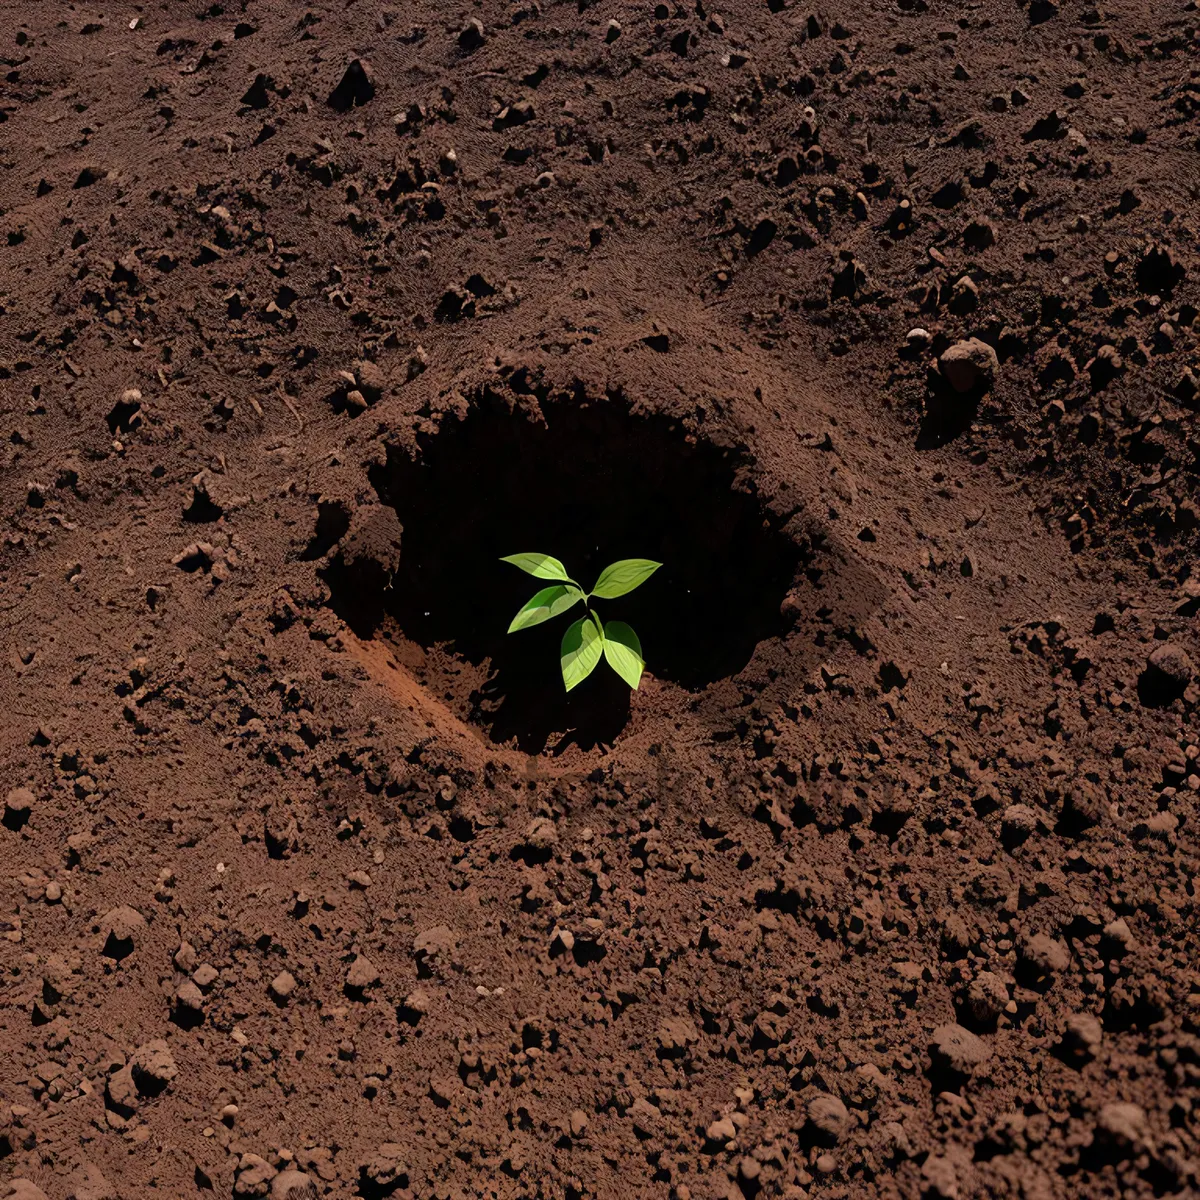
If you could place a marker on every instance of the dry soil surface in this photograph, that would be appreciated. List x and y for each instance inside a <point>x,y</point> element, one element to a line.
<point>876,323</point>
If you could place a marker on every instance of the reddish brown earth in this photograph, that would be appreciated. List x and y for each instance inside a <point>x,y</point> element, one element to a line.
<point>884,883</point>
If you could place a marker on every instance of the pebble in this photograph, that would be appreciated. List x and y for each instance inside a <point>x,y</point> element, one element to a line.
<point>362,974</point>
<point>254,1176</point>
<point>968,363</point>
<point>722,1130</point>
<point>153,1065</point>
<point>958,1048</point>
<point>1173,663</point>
<point>283,985</point>
<point>18,804</point>
<point>829,1116</point>
<point>1045,954</point>
<point>1084,1033</point>
<point>987,996</point>
<point>53,892</point>
<point>293,1185</point>
<point>1118,931</point>
<point>918,338</point>
<point>1122,1122</point>
<point>613,31</point>
<point>23,1189</point>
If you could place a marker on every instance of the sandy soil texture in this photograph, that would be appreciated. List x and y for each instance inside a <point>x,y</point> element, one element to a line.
<point>876,324</point>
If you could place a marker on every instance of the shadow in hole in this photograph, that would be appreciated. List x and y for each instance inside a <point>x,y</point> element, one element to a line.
<point>590,485</point>
<point>948,413</point>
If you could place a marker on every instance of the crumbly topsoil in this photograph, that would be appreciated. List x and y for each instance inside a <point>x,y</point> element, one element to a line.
<point>876,323</point>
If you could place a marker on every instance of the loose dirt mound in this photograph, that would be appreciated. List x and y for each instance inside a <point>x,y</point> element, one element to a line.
<point>877,326</point>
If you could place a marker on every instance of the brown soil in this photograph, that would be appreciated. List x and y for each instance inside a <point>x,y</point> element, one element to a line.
<point>884,882</point>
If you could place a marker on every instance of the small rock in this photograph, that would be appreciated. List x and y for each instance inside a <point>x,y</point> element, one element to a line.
<point>293,1185</point>
<point>153,1067</point>
<point>918,338</point>
<point>88,1183</point>
<point>721,1131</point>
<point>958,1049</point>
<point>986,996</point>
<point>544,180</point>
<point>939,1178</point>
<point>1169,670</point>
<point>964,295</point>
<point>434,947</point>
<point>283,985</point>
<point>122,1091</point>
<point>829,1116</point>
<point>205,975</point>
<point>18,805</point>
<point>1083,1033</point>
<point>968,363</point>
<point>613,31</point>
<point>21,1189</point>
<point>541,834</point>
<point>362,974</point>
<point>1118,931</point>
<point>1121,1122</point>
<point>254,1176</point>
<point>188,995</point>
<point>579,1123</point>
<point>1019,821</point>
<point>1044,954</point>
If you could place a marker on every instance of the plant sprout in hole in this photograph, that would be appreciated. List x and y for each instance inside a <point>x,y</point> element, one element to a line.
<point>588,639</point>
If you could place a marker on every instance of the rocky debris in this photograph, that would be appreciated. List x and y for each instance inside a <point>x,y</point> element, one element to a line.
<point>89,1183</point>
<point>958,1050</point>
<point>987,997</point>
<point>434,949</point>
<point>1044,957</point>
<point>969,364</point>
<point>1122,1123</point>
<point>283,986</point>
<point>1083,1034</point>
<point>1169,671</point>
<point>152,1067</point>
<point>254,1176</point>
<point>355,88</point>
<point>18,806</point>
<point>829,1117</point>
<point>293,1185</point>
<point>387,1169</point>
<point>21,1189</point>
<point>721,1132</point>
<point>122,928</point>
<point>361,975</point>
<point>1018,822</point>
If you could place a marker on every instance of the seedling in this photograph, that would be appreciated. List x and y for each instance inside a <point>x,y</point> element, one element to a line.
<point>588,639</point>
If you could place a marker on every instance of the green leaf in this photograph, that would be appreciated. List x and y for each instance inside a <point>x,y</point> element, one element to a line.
<point>540,565</point>
<point>582,646</point>
<point>549,602</point>
<point>624,652</point>
<point>623,577</point>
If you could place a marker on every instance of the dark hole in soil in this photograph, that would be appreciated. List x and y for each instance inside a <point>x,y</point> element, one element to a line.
<point>123,416</point>
<point>590,485</point>
<point>117,948</point>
